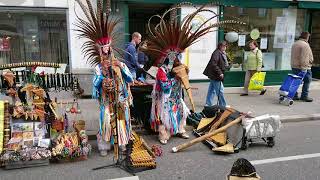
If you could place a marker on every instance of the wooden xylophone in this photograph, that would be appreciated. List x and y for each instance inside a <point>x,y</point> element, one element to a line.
<point>140,154</point>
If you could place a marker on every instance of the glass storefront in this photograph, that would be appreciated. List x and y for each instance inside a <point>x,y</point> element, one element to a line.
<point>33,34</point>
<point>278,29</point>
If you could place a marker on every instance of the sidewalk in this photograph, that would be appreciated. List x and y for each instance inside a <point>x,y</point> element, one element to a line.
<point>269,103</point>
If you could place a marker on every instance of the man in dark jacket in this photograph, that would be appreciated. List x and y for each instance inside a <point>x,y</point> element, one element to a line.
<point>131,56</point>
<point>215,72</point>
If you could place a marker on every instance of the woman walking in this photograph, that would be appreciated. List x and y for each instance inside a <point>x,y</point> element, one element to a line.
<point>252,64</point>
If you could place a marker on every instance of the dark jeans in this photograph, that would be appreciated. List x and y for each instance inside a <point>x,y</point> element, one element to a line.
<point>306,82</point>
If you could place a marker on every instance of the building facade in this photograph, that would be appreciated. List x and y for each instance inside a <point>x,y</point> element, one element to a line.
<point>43,30</point>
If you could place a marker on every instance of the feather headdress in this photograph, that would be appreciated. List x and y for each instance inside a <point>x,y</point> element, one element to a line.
<point>169,37</point>
<point>99,30</point>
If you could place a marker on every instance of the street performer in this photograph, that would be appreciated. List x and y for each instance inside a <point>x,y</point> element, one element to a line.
<point>168,40</point>
<point>110,84</point>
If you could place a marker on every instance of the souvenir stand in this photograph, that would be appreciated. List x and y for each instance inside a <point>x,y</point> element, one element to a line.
<point>33,128</point>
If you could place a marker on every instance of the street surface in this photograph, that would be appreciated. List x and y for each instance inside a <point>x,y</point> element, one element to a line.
<point>297,149</point>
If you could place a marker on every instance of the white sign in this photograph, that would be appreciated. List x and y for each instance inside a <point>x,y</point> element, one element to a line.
<point>280,38</point>
<point>242,40</point>
<point>264,43</point>
<point>197,56</point>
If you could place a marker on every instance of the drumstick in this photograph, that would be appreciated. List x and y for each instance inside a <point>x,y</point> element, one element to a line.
<point>204,137</point>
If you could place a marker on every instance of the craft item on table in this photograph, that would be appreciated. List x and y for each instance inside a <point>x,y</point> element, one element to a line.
<point>28,135</point>
<point>70,146</point>
<point>17,135</point>
<point>18,110</point>
<point>14,144</point>
<point>26,154</point>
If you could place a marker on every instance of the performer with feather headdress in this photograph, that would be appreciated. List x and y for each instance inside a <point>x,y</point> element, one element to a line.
<point>168,40</point>
<point>110,84</point>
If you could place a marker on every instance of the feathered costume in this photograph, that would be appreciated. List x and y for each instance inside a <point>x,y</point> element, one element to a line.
<point>169,38</point>
<point>111,76</point>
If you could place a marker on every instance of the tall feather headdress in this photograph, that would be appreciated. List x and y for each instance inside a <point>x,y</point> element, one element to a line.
<point>170,37</point>
<point>98,29</point>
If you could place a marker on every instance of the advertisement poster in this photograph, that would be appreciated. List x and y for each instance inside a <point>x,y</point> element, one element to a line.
<point>242,40</point>
<point>264,43</point>
<point>283,34</point>
<point>197,56</point>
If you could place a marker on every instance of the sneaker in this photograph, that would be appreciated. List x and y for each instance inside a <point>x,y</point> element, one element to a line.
<point>306,99</point>
<point>184,135</point>
<point>163,141</point>
<point>296,98</point>
<point>244,94</point>
<point>263,92</point>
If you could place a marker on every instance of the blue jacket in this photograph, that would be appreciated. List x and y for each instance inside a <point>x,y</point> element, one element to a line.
<point>131,57</point>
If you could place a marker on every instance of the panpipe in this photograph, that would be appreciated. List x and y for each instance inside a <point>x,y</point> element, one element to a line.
<point>182,74</point>
<point>66,81</point>
<point>29,64</point>
<point>140,154</point>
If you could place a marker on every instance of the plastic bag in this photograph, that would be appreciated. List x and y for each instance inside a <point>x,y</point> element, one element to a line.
<point>257,81</point>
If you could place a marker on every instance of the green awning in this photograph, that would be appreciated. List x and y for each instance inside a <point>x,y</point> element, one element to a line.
<point>309,5</point>
<point>238,3</point>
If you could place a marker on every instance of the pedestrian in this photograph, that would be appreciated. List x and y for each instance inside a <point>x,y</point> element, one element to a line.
<point>252,64</point>
<point>142,60</point>
<point>301,60</point>
<point>131,56</point>
<point>215,72</point>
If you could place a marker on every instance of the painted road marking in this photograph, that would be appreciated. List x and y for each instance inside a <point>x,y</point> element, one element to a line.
<point>288,158</point>
<point>127,178</point>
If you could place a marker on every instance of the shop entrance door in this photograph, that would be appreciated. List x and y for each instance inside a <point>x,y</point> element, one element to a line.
<point>139,15</point>
<point>315,43</point>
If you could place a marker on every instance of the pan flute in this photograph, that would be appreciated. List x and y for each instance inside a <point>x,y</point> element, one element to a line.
<point>140,154</point>
<point>181,73</point>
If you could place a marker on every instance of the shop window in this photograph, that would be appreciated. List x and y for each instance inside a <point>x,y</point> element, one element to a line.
<point>278,30</point>
<point>33,35</point>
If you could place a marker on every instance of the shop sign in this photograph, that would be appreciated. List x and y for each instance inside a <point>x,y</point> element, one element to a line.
<point>56,24</point>
<point>4,44</point>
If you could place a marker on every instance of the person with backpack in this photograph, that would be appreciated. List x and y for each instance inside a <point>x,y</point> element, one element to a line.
<point>252,64</point>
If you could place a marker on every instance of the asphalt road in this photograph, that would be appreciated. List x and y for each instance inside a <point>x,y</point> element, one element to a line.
<point>199,162</point>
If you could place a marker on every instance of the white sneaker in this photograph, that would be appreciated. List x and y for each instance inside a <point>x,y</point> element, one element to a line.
<point>163,141</point>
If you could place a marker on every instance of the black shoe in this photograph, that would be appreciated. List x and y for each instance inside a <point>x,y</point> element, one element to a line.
<point>306,99</point>
<point>244,94</point>
<point>263,92</point>
<point>295,98</point>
